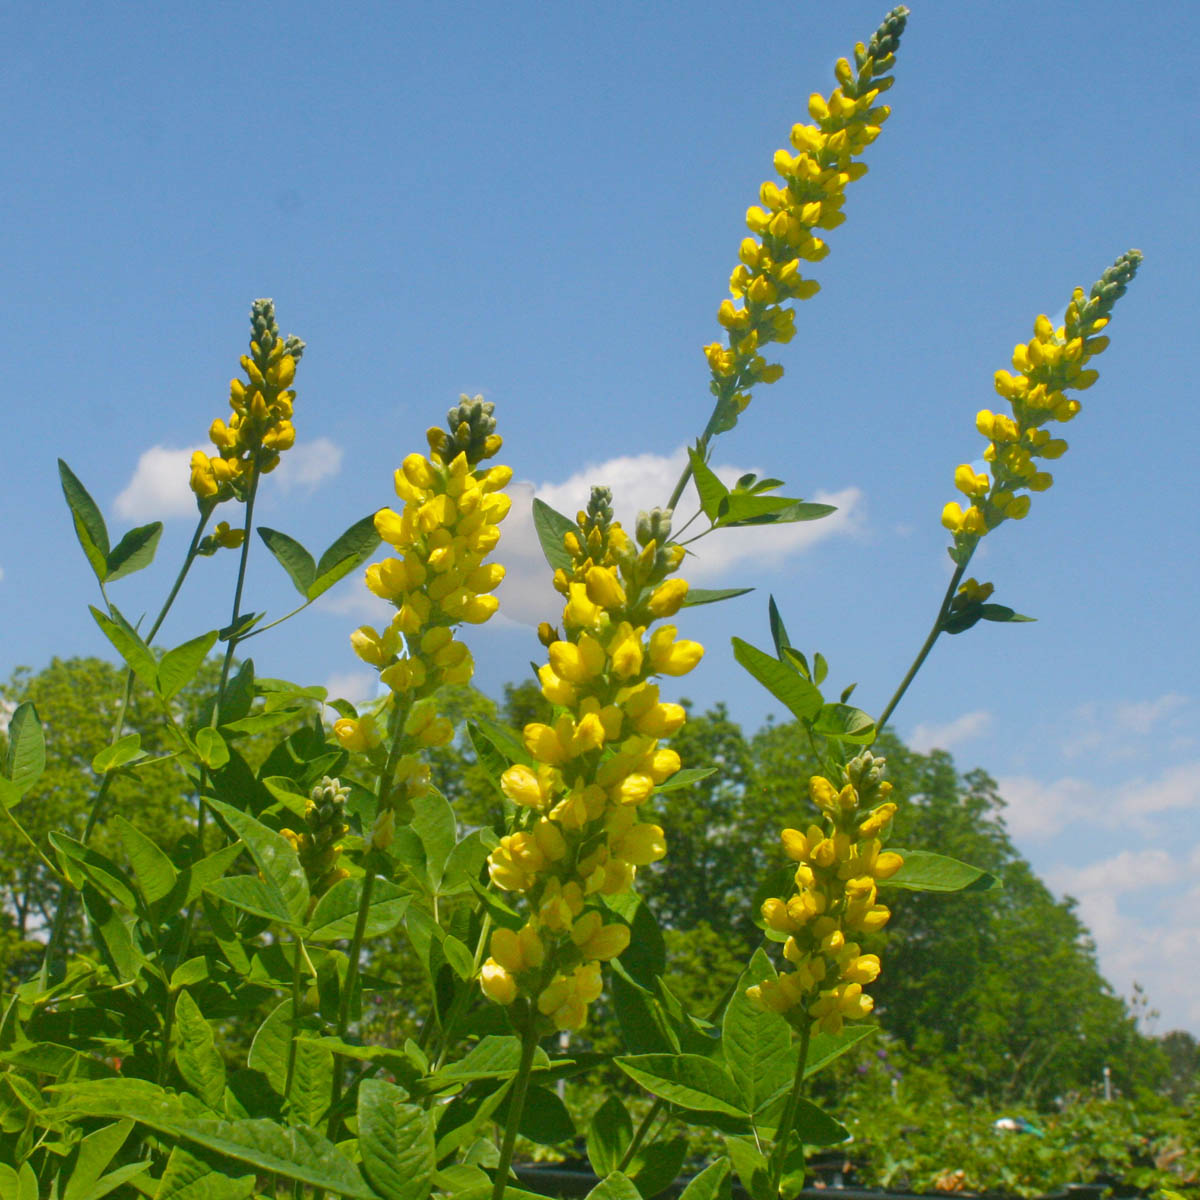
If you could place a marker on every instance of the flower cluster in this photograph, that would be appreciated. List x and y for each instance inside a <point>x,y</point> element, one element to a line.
<point>319,845</point>
<point>812,195</point>
<point>437,580</point>
<point>839,865</point>
<point>579,835</point>
<point>1054,361</point>
<point>260,424</point>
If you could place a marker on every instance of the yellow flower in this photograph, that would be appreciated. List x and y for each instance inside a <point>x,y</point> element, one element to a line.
<point>839,862</point>
<point>814,180</point>
<point>1047,366</point>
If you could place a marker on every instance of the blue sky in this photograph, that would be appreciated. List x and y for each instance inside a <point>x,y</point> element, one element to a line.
<point>543,203</point>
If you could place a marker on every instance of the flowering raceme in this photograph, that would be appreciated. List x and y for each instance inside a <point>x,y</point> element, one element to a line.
<point>580,836</point>
<point>1054,361</point>
<point>811,198</point>
<point>319,845</point>
<point>437,580</point>
<point>840,862</point>
<point>260,425</point>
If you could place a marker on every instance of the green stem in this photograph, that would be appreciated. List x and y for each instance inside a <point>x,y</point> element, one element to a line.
<point>460,1000</point>
<point>297,958</point>
<point>923,653</point>
<point>784,1133</point>
<point>516,1105</point>
<point>278,621</point>
<point>639,1135</point>
<point>62,910</point>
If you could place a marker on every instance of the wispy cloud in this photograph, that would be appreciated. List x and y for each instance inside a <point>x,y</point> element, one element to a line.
<point>946,736</point>
<point>159,487</point>
<point>1124,729</point>
<point>640,482</point>
<point>355,686</point>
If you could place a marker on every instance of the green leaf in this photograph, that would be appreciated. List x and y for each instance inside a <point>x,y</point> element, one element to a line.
<point>195,1053</point>
<point>396,1142</point>
<point>128,645</point>
<point>124,750</point>
<point>712,595</point>
<point>350,549</point>
<point>815,1127</point>
<point>608,1135</point>
<point>152,869</point>
<point>133,552</point>
<point>1001,612</point>
<point>708,487</point>
<point>112,929</point>
<point>505,740</point>
<point>465,863</point>
<point>179,666</point>
<point>26,758</point>
<point>197,1175</point>
<point>292,557</point>
<point>844,723</point>
<point>544,1119</point>
<point>336,912</point>
<point>293,1153</point>
<point>825,1047</point>
<point>644,1027</point>
<point>77,858</point>
<point>801,697</point>
<point>551,527</point>
<point>492,1057</point>
<point>751,1168</point>
<point>658,1166</point>
<point>95,1152</point>
<point>711,1184</point>
<point>269,1047</point>
<point>685,778</point>
<point>89,523</point>
<point>615,1187</point>
<point>253,896</point>
<point>757,1045</point>
<point>645,958</point>
<point>778,631</point>
<point>746,510</point>
<point>275,858</point>
<point>312,1083</point>
<point>434,823</point>
<point>688,1080</point>
<point>211,748</point>
<point>924,871</point>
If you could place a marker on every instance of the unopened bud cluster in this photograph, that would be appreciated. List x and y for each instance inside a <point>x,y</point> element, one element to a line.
<point>1052,363</point>
<point>260,423</point>
<point>593,765</point>
<point>769,273</point>
<point>319,843</point>
<point>840,862</point>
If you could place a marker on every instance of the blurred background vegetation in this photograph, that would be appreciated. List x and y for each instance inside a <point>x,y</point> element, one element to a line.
<point>991,1005</point>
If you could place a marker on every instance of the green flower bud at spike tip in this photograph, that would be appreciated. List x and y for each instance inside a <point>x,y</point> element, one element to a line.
<point>472,431</point>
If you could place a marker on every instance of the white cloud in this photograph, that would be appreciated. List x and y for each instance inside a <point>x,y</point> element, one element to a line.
<point>640,482</point>
<point>950,734</point>
<point>159,487</point>
<point>1,574</point>
<point>1039,810</point>
<point>355,686</point>
<point>308,464</point>
<point>1153,939</point>
<point>1124,729</point>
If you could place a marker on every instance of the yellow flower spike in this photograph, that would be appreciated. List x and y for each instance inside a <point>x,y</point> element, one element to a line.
<point>671,657</point>
<point>604,589</point>
<point>625,651</point>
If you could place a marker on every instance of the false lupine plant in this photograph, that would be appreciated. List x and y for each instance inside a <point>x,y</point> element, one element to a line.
<point>318,830</point>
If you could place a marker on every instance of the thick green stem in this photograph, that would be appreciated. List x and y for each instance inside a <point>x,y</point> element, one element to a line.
<point>516,1106</point>
<point>784,1134</point>
<point>290,1074</point>
<point>639,1135</point>
<point>923,653</point>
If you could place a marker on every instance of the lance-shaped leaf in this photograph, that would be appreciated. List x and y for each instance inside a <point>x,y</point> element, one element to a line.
<point>697,596</point>
<point>89,523</point>
<point>128,645</point>
<point>125,750</point>
<point>350,549</point>
<point>688,1080</point>
<point>924,871</point>
<point>711,1184</point>
<point>26,757</point>
<point>616,1186</point>
<point>198,1175</point>
<point>844,723</point>
<point>133,552</point>
<point>196,1056</point>
<point>785,684</point>
<point>336,912</point>
<point>292,557</point>
<point>708,487</point>
<point>756,1042</point>
<point>181,665</point>
<point>152,869</point>
<point>551,527</point>
<point>275,858</point>
<point>608,1136</point>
